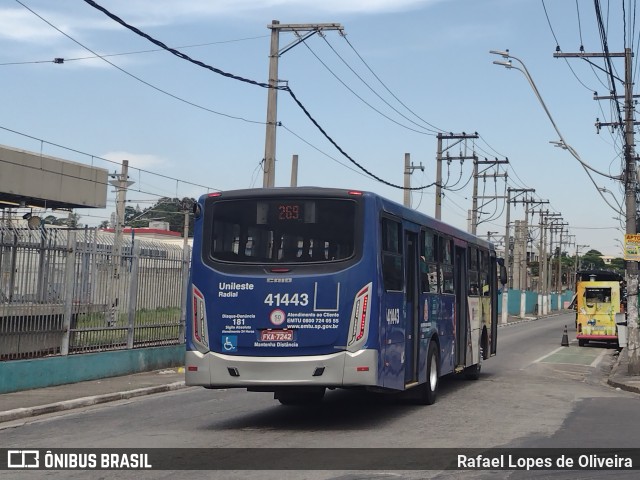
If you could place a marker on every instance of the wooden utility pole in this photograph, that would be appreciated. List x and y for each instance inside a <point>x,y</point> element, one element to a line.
<point>276,27</point>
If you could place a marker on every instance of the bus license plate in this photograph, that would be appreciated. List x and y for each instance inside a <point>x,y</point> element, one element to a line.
<point>276,335</point>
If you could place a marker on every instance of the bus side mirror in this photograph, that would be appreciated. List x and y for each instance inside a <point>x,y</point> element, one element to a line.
<point>503,275</point>
<point>503,271</point>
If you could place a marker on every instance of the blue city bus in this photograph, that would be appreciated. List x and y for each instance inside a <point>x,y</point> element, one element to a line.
<point>296,290</point>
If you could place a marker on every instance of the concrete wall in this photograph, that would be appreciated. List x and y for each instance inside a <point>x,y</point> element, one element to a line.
<point>531,300</point>
<point>18,375</point>
<point>58,182</point>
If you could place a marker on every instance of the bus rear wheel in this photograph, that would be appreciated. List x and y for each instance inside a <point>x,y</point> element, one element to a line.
<point>429,390</point>
<point>295,396</point>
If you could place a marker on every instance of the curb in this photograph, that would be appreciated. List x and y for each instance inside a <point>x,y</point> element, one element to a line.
<point>19,413</point>
<point>530,318</point>
<point>520,320</point>
<point>611,381</point>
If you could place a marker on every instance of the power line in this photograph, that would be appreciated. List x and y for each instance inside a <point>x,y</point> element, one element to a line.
<point>177,53</point>
<point>359,172</point>
<point>436,129</point>
<point>605,49</point>
<point>136,52</point>
<point>345,154</point>
<point>135,77</point>
<point>107,160</point>
<point>372,89</point>
<point>253,82</point>
<point>358,96</point>
<point>546,13</point>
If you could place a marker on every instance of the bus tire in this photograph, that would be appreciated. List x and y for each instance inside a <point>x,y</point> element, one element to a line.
<point>300,397</point>
<point>581,342</point>
<point>429,389</point>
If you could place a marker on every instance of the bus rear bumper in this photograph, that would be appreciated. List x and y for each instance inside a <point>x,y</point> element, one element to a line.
<point>600,338</point>
<point>342,369</point>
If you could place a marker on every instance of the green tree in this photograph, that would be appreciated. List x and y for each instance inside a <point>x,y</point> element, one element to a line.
<point>71,221</point>
<point>166,209</point>
<point>592,260</point>
<point>135,217</point>
<point>618,264</point>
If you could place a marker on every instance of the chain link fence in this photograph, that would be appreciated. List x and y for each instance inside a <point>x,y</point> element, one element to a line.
<point>76,291</point>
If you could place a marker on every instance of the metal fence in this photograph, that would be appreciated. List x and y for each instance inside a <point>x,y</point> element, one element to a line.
<point>75,291</point>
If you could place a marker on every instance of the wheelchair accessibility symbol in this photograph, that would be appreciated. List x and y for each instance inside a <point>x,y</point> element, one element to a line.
<point>230,343</point>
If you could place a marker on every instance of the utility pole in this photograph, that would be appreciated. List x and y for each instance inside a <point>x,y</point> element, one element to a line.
<point>509,261</point>
<point>633,343</point>
<point>408,171</point>
<point>186,255</point>
<point>474,201</point>
<point>554,227</point>
<point>122,183</point>
<point>571,280</point>
<point>294,171</point>
<point>276,27</point>
<point>460,137</point>
<point>547,268</point>
<point>559,274</point>
<point>520,240</point>
<point>505,288</point>
<point>533,203</point>
<point>633,337</point>
<point>577,267</point>
<point>542,261</point>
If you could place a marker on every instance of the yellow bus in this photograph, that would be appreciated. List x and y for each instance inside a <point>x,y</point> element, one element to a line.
<point>599,296</point>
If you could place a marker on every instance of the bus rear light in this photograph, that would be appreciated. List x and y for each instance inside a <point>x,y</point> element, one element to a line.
<point>362,369</point>
<point>200,336</point>
<point>355,192</point>
<point>359,325</point>
<point>192,368</point>
<point>363,317</point>
<point>215,194</point>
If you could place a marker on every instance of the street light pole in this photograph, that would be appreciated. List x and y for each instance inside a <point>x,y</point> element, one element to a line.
<point>562,143</point>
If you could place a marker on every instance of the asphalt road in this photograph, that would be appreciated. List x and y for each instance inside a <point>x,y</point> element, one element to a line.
<point>533,394</point>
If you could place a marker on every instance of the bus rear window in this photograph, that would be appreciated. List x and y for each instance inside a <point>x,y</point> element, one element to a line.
<point>283,230</point>
<point>599,295</point>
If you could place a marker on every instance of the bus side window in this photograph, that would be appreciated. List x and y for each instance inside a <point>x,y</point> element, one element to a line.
<point>446,265</point>
<point>391,255</point>
<point>484,272</point>
<point>474,287</point>
<point>428,263</point>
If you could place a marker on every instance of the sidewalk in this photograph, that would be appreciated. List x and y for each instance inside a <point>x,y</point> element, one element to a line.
<point>619,376</point>
<point>30,403</point>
